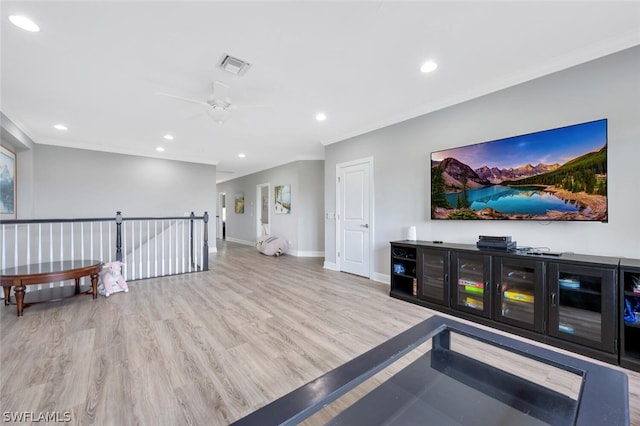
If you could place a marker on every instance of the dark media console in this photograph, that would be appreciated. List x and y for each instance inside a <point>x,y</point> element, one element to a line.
<point>571,301</point>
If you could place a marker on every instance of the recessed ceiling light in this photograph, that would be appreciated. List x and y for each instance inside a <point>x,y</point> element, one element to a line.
<point>428,66</point>
<point>60,127</point>
<point>160,149</point>
<point>241,155</point>
<point>321,116</point>
<point>24,23</point>
<point>168,137</point>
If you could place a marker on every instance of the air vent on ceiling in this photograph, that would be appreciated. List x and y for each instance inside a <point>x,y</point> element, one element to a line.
<point>234,65</point>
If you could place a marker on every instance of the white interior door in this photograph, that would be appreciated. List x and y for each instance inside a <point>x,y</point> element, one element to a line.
<point>354,189</point>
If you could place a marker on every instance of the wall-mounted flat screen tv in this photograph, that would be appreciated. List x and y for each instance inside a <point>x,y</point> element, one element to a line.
<point>551,175</point>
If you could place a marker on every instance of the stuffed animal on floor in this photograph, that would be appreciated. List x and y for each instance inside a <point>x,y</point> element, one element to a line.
<point>272,246</point>
<point>111,280</point>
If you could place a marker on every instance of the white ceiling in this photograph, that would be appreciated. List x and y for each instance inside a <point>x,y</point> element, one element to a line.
<point>96,66</point>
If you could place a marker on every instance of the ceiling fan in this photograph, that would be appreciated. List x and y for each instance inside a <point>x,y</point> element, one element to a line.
<point>218,108</point>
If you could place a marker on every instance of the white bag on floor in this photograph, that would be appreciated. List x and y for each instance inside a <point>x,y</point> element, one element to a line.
<point>272,246</point>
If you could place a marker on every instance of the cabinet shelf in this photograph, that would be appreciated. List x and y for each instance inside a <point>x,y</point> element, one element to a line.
<point>403,275</point>
<point>407,259</point>
<point>581,290</point>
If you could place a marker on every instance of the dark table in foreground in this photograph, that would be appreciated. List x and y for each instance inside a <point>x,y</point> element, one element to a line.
<point>47,272</point>
<point>442,372</point>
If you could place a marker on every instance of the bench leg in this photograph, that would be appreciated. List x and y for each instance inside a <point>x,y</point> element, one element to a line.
<point>94,285</point>
<point>20,298</point>
<point>7,295</point>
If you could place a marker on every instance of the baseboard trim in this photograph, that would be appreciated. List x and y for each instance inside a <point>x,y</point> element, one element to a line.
<point>331,266</point>
<point>296,253</point>
<point>239,241</point>
<point>306,253</point>
<point>381,278</point>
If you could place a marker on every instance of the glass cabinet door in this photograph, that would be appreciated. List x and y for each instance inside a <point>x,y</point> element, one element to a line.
<point>582,305</point>
<point>519,290</point>
<point>469,286</point>
<point>434,283</point>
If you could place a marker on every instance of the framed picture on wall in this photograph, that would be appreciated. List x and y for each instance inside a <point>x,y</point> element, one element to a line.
<point>282,199</point>
<point>239,202</point>
<point>7,184</point>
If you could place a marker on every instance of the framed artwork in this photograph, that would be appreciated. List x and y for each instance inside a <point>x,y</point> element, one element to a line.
<point>239,202</point>
<point>283,199</point>
<point>7,184</point>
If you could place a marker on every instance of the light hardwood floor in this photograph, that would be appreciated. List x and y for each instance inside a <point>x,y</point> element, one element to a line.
<point>203,349</point>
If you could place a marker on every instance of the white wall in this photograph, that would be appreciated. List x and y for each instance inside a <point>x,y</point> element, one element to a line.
<point>311,198</point>
<point>304,226</point>
<point>605,88</point>
<point>73,182</point>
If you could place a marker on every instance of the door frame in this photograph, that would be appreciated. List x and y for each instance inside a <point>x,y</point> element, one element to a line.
<point>339,168</point>
<point>259,208</point>
<point>219,215</point>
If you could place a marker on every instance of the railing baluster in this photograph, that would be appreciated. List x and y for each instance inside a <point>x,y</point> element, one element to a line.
<point>28,244</point>
<point>205,245</point>
<point>133,251</point>
<point>182,241</point>
<point>82,241</point>
<point>4,254</point>
<point>148,249</point>
<point>51,242</point>
<point>39,243</point>
<point>15,252</point>
<point>110,247</point>
<point>73,253</point>
<point>91,250</point>
<point>101,250</point>
<point>61,246</point>
<point>124,252</point>
<point>163,230</point>
<point>140,248</point>
<point>155,251</point>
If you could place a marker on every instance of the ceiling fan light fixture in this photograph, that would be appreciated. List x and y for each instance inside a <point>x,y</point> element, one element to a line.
<point>234,65</point>
<point>219,114</point>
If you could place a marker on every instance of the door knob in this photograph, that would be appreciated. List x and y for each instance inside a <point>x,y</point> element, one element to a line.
<point>366,225</point>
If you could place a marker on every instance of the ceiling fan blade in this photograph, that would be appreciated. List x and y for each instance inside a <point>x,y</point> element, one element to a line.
<point>197,115</point>
<point>193,101</point>
<point>245,106</point>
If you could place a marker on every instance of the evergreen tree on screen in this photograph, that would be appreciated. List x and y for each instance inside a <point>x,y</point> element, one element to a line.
<point>464,201</point>
<point>438,197</point>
